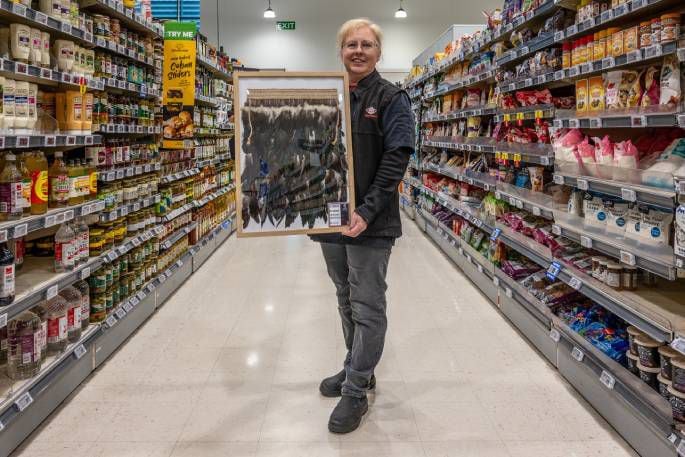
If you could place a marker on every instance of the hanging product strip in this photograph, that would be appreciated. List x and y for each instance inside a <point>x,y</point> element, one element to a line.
<point>556,191</point>
<point>105,226</point>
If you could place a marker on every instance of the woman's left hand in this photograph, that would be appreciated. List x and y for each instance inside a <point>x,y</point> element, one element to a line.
<point>357,226</point>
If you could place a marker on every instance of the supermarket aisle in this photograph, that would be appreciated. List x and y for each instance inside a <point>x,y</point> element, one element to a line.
<point>231,364</point>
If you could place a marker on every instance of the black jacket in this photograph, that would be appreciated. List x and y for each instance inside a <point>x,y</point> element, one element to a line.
<point>382,141</point>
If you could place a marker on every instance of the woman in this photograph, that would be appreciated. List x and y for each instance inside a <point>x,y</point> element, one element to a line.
<point>357,259</point>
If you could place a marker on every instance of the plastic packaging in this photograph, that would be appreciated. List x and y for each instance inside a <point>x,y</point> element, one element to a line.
<point>57,325</point>
<point>23,348</point>
<point>20,38</point>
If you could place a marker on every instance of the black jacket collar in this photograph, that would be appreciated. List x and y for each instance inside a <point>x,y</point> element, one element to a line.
<point>368,81</point>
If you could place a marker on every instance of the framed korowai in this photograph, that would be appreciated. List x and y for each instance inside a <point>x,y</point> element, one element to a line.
<point>293,147</point>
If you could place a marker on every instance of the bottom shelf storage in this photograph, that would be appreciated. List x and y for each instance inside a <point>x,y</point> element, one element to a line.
<point>639,414</point>
<point>34,403</point>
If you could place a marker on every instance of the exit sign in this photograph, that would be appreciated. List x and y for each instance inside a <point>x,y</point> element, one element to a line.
<point>285,25</point>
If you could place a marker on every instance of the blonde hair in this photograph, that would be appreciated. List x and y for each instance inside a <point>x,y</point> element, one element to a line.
<point>354,24</point>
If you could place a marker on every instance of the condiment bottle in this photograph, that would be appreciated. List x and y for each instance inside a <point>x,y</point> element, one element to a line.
<point>73,298</point>
<point>59,182</point>
<point>18,248</point>
<point>33,107</point>
<point>20,39</point>
<point>36,56</point>
<point>25,185</point>
<point>45,55</point>
<point>37,165</point>
<point>57,324</point>
<point>75,179</point>
<point>83,236</point>
<point>21,105</point>
<point>23,335</point>
<point>65,247</point>
<point>7,275</point>
<point>41,311</point>
<point>10,190</point>
<point>8,91</point>
<point>84,289</point>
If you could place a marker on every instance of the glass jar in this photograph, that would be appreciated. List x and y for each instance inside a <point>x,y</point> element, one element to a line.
<point>98,308</point>
<point>109,301</point>
<point>96,242</point>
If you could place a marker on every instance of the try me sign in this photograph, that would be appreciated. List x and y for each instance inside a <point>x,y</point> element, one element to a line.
<point>285,25</point>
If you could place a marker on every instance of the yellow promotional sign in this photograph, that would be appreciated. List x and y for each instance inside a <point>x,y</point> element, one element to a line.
<point>178,97</point>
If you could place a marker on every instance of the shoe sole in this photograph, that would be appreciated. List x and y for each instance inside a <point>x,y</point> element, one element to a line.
<point>338,393</point>
<point>342,431</point>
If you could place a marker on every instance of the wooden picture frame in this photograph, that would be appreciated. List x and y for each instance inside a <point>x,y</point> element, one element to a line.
<point>289,180</point>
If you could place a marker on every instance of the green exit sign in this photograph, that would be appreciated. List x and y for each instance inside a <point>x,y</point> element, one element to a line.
<point>285,25</point>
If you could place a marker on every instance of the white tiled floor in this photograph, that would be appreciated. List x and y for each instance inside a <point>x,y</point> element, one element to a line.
<point>231,364</point>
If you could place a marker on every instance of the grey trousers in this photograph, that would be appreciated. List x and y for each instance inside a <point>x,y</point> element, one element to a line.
<point>358,273</point>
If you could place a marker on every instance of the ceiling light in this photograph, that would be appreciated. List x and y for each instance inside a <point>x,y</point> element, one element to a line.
<point>400,13</point>
<point>269,13</point>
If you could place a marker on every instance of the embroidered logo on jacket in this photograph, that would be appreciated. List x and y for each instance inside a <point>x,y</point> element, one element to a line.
<point>371,113</point>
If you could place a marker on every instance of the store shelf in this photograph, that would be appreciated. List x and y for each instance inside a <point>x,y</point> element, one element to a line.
<point>537,203</point>
<point>484,77</point>
<point>129,129</point>
<point>180,175</point>
<point>460,209</point>
<point>33,141</point>
<point>538,153</point>
<point>177,235</point>
<point>472,178</point>
<point>122,51</point>
<point>204,132</point>
<point>612,120</point>
<point>128,172</point>
<point>201,163</point>
<point>46,76</point>
<point>617,16</point>
<point>127,16</point>
<point>11,12</point>
<point>528,49</point>
<point>526,113</point>
<point>128,208</point>
<point>462,144</point>
<point>660,261</point>
<point>548,78</point>
<point>654,196</point>
<point>212,102</point>
<point>19,228</point>
<point>459,114</point>
<point>126,87</point>
<point>212,196</point>
<point>216,71</point>
<point>17,396</point>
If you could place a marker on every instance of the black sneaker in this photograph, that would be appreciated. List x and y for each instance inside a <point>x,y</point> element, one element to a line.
<point>347,416</point>
<point>332,387</point>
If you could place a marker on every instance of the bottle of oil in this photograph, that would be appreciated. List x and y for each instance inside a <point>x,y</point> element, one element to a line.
<point>25,185</point>
<point>59,183</point>
<point>37,165</point>
<point>92,180</point>
<point>10,190</point>
<point>75,196</point>
<point>6,275</point>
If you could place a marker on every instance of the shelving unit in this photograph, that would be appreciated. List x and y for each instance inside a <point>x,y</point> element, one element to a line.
<point>640,414</point>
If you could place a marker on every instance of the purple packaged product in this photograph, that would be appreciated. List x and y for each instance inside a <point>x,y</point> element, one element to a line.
<point>666,354</point>
<point>649,376</point>
<point>677,401</point>
<point>648,351</point>
<point>632,362</point>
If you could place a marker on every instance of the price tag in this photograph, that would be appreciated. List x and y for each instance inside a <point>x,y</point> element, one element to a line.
<point>681,448</point>
<point>132,87</point>
<point>120,313</point>
<point>80,351</point>
<point>585,241</point>
<point>582,184</point>
<point>585,68</point>
<point>70,140</point>
<point>558,36</point>
<point>46,73</point>
<point>556,229</point>
<point>553,271</point>
<point>85,273</point>
<point>40,18</point>
<point>628,195</point>
<point>21,68</point>
<point>66,28</point>
<point>577,354</point>
<point>627,258</point>
<point>678,344</point>
<point>141,295</point>
<point>52,292</point>
<point>495,281</point>
<point>606,16</point>
<point>653,51</point>
<point>120,174</point>
<point>162,278</point>
<point>3,320</point>
<point>524,51</point>
<point>620,10</point>
<point>111,321</point>
<point>575,283</point>
<point>571,30</point>
<point>19,9</point>
<point>558,179</point>
<point>25,400</point>
<point>634,56</point>
<point>86,210</point>
<point>673,438</point>
<point>608,380</point>
<point>88,140</point>
<point>555,335</point>
<point>23,141</point>
<point>608,62</point>
<point>536,211</point>
<point>49,221</point>
<point>128,306</point>
<point>595,123</point>
<point>112,256</point>
<point>87,36</point>
<point>20,230</point>
<point>480,268</point>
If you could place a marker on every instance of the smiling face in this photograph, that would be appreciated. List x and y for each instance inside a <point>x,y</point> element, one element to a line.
<point>360,53</point>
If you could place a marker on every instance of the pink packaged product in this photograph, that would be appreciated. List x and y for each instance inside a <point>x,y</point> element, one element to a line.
<point>604,150</point>
<point>626,155</point>
<point>518,270</point>
<point>543,235</point>
<point>565,143</point>
<point>586,151</point>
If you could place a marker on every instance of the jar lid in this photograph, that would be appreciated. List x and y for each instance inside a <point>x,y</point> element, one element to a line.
<point>648,369</point>
<point>676,393</point>
<point>668,351</point>
<point>663,380</point>
<point>631,356</point>
<point>644,340</point>
<point>678,362</point>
